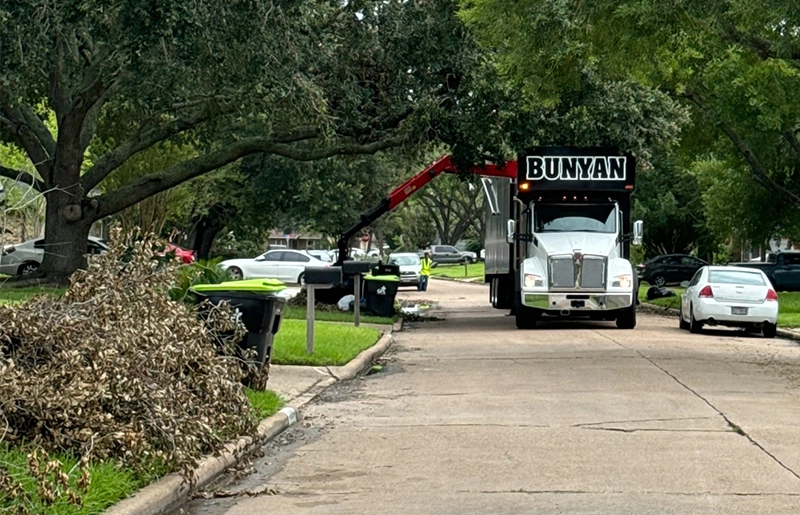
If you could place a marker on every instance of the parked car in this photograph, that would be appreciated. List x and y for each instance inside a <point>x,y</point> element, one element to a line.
<point>782,269</point>
<point>287,265</point>
<point>26,257</point>
<point>410,267</point>
<point>449,254</point>
<point>729,296</point>
<point>671,268</point>
<point>322,255</point>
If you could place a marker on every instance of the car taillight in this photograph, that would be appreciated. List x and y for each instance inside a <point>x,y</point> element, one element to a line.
<point>706,293</point>
<point>9,249</point>
<point>772,296</point>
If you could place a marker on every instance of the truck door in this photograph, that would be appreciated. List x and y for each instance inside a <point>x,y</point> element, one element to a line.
<point>787,273</point>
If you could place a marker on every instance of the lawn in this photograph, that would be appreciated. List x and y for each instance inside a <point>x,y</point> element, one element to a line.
<point>789,304</point>
<point>264,403</point>
<point>299,313</point>
<point>109,484</point>
<point>457,271</point>
<point>334,344</point>
<point>13,295</point>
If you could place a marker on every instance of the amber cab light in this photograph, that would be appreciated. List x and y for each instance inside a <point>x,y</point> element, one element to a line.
<point>772,296</point>
<point>706,293</point>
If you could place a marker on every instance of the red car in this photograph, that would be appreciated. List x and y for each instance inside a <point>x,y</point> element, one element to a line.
<point>186,256</point>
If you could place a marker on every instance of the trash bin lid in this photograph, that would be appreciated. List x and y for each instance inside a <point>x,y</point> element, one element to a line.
<point>250,285</point>
<point>389,278</point>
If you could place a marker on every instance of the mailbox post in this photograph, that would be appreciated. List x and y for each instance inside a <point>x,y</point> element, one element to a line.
<point>356,269</point>
<point>317,278</point>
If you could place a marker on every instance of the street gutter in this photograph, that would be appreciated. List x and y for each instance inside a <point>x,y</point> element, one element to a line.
<point>170,492</point>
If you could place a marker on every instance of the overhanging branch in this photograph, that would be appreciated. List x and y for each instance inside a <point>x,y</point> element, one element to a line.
<point>21,177</point>
<point>763,47</point>
<point>759,172</point>
<point>147,186</point>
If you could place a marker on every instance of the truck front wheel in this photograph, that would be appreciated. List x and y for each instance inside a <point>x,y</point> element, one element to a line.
<point>526,317</point>
<point>627,318</point>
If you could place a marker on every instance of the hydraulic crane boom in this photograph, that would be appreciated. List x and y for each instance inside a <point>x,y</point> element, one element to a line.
<point>398,195</point>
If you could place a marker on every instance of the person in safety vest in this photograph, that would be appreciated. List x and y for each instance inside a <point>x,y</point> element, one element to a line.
<point>425,272</point>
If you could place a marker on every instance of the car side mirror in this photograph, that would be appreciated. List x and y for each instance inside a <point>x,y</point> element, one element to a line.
<point>638,232</point>
<point>684,284</point>
<point>511,230</point>
<point>261,258</point>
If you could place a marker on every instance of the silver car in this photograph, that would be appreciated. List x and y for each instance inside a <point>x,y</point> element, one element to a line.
<point>410,267</point>
<point>25,258</point>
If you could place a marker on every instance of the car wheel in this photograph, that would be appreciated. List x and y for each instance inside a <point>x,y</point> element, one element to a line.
<point>236,273</point>
<point>28,268</point>
<point>301,279</point>
<point>658,280</point>
<point>683,324</point>
<point>694,325</point>
<point>769,330</point>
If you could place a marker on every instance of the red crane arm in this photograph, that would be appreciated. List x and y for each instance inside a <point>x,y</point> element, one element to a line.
<point>398,195</point>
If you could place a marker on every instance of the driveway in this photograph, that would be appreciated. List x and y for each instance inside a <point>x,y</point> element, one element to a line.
<point>470,415</point>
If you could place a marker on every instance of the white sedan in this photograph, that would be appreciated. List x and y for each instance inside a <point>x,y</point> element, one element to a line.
<point>729,296</point>
<point>284,264</point>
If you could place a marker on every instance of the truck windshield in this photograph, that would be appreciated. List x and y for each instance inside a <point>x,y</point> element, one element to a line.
<point>575,218</point>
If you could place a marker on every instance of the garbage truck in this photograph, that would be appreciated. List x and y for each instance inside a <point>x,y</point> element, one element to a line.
<point>558,232</point>
<point>558,236</point>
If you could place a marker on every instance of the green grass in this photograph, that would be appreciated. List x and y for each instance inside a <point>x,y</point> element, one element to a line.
<point>265,403</point>
<point>457,271</point>
<point>789,303</point>
<point>299,313</point>
<point>334,344</point>
<point>15,295</point>
<point>109,484</point>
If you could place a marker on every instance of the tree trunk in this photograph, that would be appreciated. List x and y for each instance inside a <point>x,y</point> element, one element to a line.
<point>66,232</point>
<point>205,230</point>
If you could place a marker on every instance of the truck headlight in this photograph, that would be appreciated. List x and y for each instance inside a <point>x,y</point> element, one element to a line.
<point>532,281</point>
<point>622,281</point>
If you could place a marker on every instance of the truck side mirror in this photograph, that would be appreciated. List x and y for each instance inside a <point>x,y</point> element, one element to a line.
<point>511,230</point>
<point>638,232</point>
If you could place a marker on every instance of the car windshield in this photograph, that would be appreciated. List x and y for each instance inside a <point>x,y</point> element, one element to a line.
<point>735,277</point>
<point>575,218</point>
<point>403,260</point>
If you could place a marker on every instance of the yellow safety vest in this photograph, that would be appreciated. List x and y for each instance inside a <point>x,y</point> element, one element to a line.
<point>426,266</point>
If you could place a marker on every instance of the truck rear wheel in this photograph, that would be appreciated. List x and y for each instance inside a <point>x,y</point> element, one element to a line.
<point>627,318</point>
<point>526,317</point>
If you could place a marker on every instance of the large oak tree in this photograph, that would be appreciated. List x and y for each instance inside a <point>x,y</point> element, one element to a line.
<point>305,80</point>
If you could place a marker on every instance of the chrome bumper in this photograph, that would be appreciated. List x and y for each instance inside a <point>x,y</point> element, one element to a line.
<point>577,301</point>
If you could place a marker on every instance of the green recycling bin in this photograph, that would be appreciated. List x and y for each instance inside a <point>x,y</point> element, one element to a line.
<point>380,292</point>
<point>260,308</point>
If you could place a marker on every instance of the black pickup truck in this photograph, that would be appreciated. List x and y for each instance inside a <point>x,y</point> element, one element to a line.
<point>783,270</point>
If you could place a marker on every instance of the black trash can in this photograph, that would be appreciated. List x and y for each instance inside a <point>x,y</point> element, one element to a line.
<point>260,309</point>
<point>380,292</point>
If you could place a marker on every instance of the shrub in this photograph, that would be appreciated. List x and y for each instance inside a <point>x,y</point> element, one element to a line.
<point>116,368</point>
<point>201,272</point>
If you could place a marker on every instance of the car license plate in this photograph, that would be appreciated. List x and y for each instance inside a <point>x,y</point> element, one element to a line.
<point>738,311</point>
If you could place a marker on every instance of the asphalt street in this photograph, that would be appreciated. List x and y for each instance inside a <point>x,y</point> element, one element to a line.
<point>470,415</point>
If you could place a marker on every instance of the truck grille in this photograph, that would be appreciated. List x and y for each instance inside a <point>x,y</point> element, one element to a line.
<point>589,270</point>
<point>562,272</point>
<point>593,273</point>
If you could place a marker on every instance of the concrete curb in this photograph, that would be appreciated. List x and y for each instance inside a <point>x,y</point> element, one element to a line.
<point>169,492</point>
<point>664,311</point>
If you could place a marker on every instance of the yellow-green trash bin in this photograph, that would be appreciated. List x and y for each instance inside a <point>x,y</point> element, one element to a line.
<point>260,309</point>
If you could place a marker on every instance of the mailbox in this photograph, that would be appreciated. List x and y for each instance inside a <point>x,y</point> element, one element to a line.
<point>356,267</point>
<point>323,275</point>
